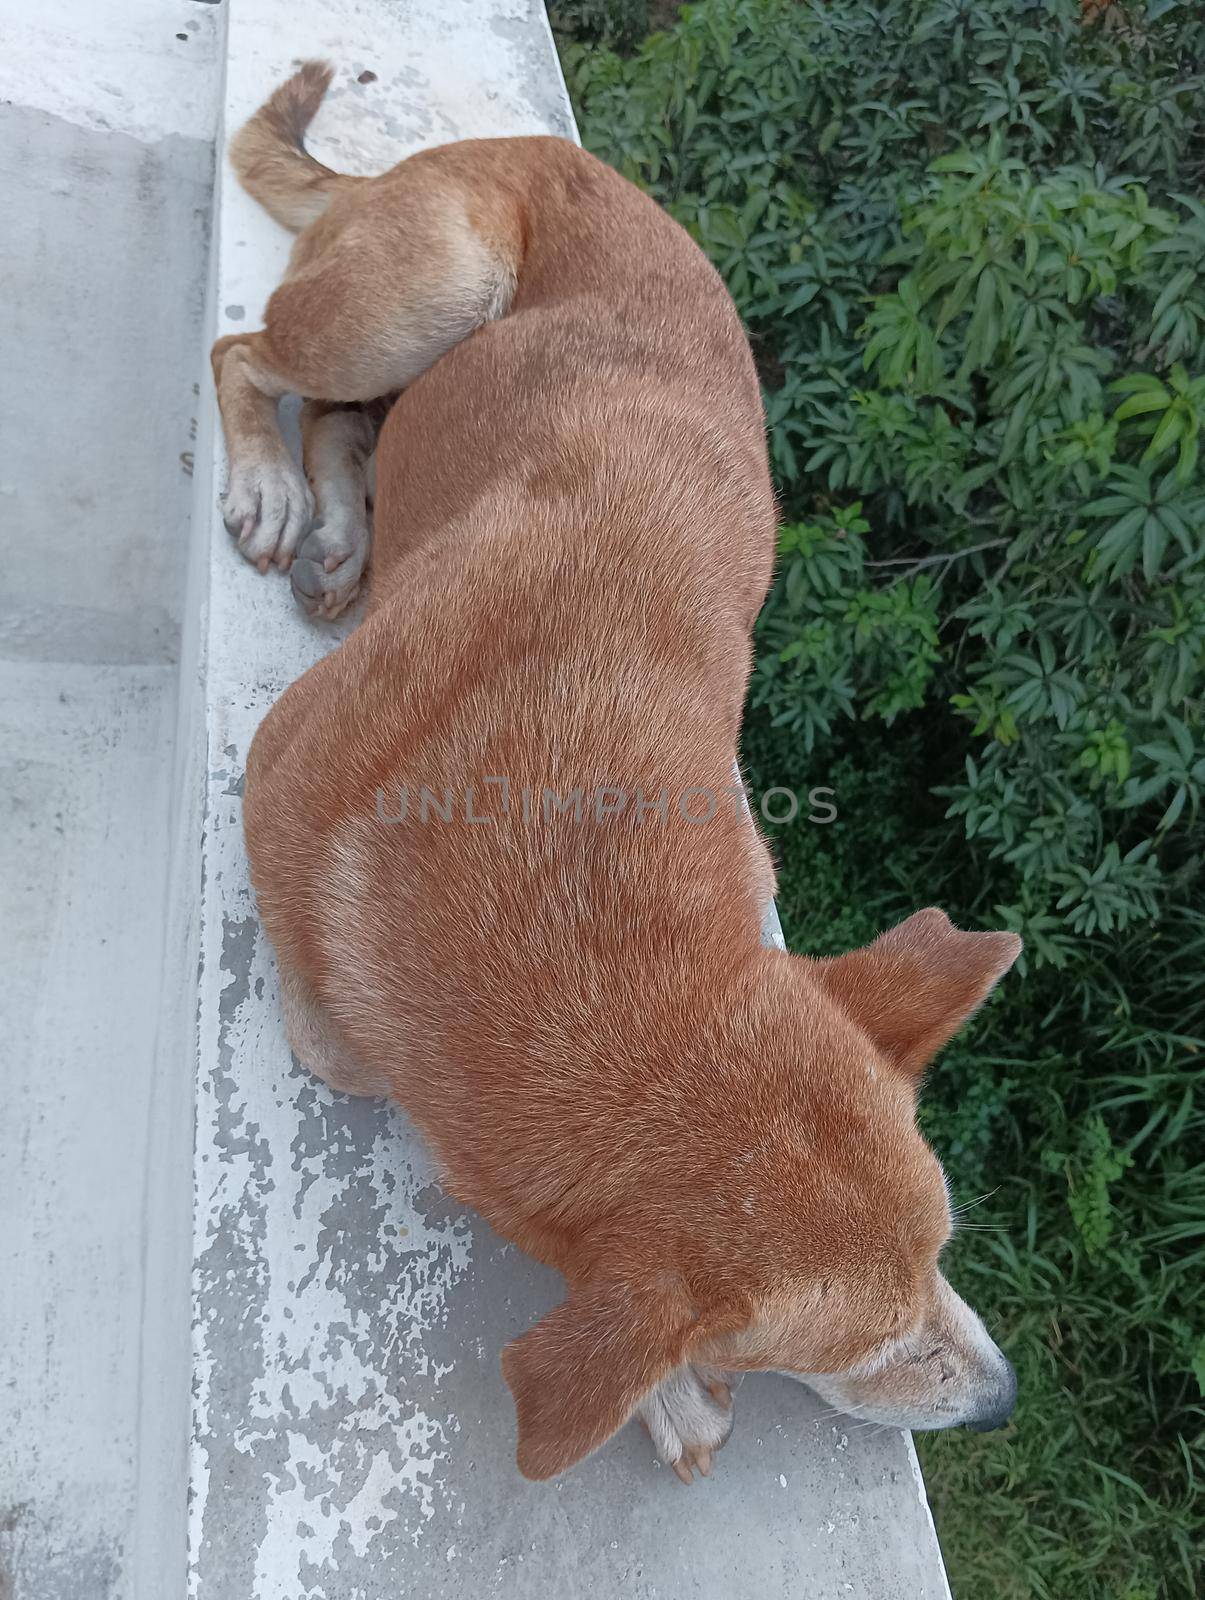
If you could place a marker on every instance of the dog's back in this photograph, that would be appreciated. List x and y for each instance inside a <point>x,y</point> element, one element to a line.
<point>620,375</point>
<point>574,531</point>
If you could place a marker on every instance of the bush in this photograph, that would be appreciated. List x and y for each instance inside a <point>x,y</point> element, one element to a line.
<point>618,23</point>
<point>968,241</point>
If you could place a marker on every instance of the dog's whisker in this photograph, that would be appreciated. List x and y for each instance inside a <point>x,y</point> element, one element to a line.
<point>969,1205</point>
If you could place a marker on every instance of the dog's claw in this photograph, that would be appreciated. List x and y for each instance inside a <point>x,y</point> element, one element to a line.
<point>329,566</point>
<point>688,1417</point>
<point>267,507</point>
<point>695,1458</point>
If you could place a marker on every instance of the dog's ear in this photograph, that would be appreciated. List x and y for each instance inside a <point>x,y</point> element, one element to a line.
<point>915,986</point>
<point>579,1374</point>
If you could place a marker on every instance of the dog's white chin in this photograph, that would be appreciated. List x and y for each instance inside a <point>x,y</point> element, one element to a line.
<point>828,1389</point>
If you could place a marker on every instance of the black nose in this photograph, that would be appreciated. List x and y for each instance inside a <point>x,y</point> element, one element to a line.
<point>1002,1403</point>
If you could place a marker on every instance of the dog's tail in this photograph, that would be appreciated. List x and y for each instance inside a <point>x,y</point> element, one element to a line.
<point>270,157</point>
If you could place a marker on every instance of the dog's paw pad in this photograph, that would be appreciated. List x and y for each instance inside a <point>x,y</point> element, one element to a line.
<point>328,568</point>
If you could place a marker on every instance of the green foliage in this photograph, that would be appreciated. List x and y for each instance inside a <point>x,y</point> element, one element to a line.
<point>618,23</point>
<point>1096,1165</point>
<point>978,323</point>
<point>875,643</point>
<point>967,238</point>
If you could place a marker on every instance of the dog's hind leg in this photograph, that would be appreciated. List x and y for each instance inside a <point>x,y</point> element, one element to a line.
<point>315,1042</point>
<point>390,278</point>
<point>337,442</point>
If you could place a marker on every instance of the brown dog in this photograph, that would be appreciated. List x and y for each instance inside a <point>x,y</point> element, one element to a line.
<point>493,838</point>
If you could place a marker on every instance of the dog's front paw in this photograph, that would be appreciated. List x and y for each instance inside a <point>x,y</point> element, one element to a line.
<point>689,1417</point>
<point>267,507</point>
<point>329,566</point>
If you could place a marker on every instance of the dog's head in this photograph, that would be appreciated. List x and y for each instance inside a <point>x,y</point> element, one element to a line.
<point>798,1220</point>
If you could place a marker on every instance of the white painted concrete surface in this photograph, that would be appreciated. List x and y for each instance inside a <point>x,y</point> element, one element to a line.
<point>107,125</point>
<point>351,1436</point>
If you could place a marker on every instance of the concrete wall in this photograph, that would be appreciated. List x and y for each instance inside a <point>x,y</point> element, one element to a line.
<point>107,124</point>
